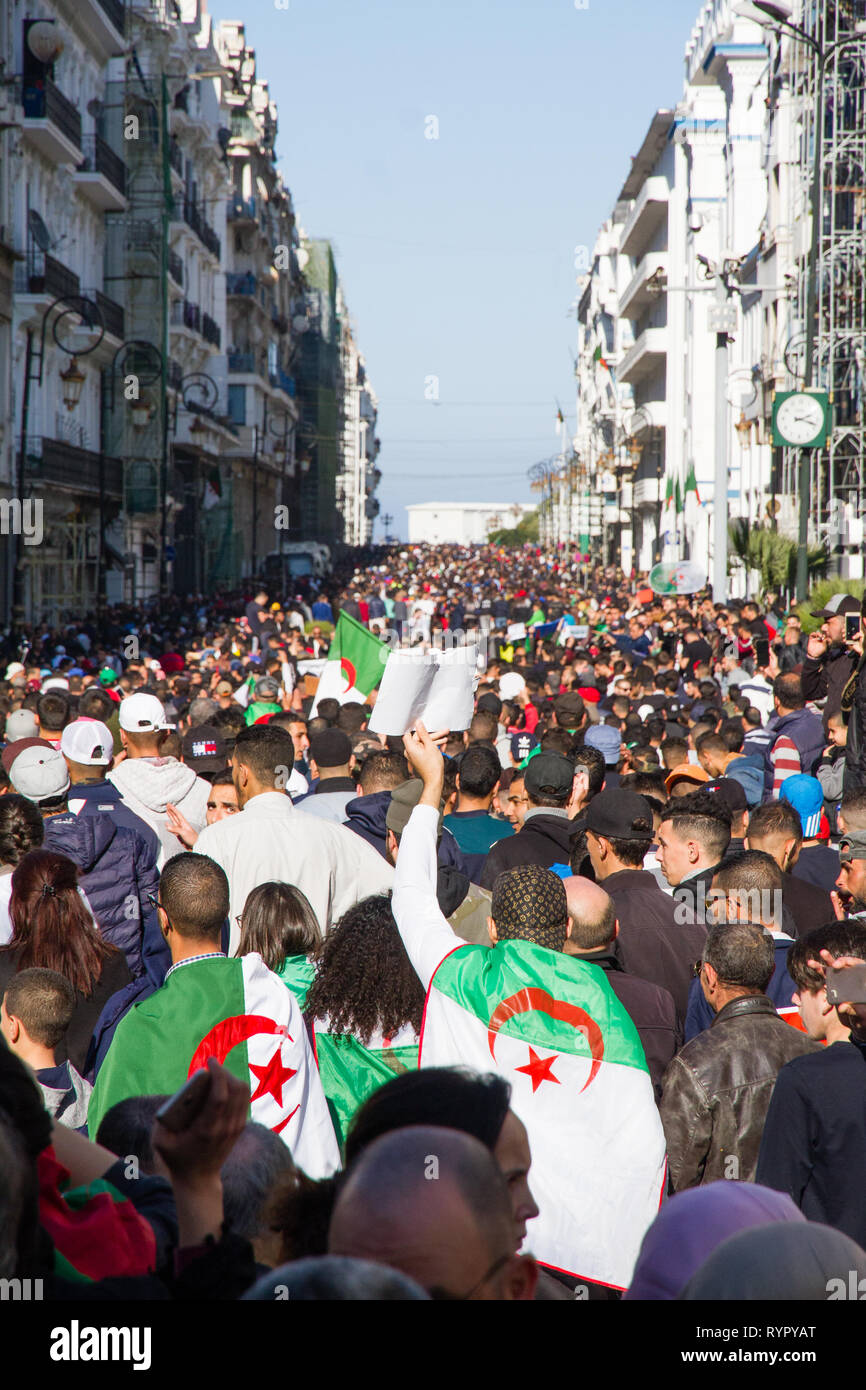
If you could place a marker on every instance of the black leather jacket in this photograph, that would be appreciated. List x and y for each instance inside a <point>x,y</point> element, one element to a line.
<point>717,1090</point>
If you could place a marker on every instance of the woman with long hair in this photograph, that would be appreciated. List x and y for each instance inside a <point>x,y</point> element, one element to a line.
<point>279,924</point>
<point>52,928</point>
<point>366,1004</point>
<point>21,829</point>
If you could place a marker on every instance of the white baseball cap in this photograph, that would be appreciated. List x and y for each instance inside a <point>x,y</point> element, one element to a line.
<point>87,741</point>
<point>142,714</point>
<point>21,723</point>
<point>39,773</point>
<point>55,683</point>
<point>511,684</point>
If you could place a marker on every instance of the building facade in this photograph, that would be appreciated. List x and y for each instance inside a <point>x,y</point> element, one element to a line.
<point>460,523</point>
<point>692,313</point>
<point>155,318</point>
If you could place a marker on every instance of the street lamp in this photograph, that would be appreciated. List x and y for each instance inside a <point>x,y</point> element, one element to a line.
<point>73,380</point>
<point>777,13</point>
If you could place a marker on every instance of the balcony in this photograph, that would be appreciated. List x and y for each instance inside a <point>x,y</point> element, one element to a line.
<point>210,331</point>
<point>104,23</point>
<point>175,157</point>
<point>51,121</point>
<point>175,268</point>
<point>646,355</point>
<point>58,464</point>
<point>195,219</point>
<point>43,275</point>
<point>282,381</point>
<point>243,283</point>
<point>242,210</point>
<point>174,374</point>
<point>110,313</point>
<point>638,293</point>
<point>646,217</point>
<point>101,175</point>
<point>242,362</point>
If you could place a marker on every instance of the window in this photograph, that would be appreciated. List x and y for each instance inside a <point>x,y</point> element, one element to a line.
<point>238,405</point>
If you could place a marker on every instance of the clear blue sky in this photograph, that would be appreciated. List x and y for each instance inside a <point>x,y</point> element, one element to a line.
<point>457,254</point>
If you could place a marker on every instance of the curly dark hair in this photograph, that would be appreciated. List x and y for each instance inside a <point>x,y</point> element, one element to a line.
<point>21,828</point>
<point>364,978</point>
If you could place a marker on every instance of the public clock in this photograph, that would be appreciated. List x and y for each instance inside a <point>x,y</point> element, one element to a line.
<point>801,419</point>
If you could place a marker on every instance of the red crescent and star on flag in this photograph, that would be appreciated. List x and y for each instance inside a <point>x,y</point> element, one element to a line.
<point>349,673</point>
<point>271,1077</point>
<point>538,1068</point>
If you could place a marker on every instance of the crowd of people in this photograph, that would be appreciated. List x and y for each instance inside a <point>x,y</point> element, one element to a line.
<point>569,1003</point>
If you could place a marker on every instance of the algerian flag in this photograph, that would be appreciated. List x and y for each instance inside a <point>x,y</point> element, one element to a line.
<point>692,499</point>
<point>356,661</point>
<point>552,1026</point>
<point>241,1013</point>
<point>678,498</point>
<point>351,1071</point>
<point>213,489</point>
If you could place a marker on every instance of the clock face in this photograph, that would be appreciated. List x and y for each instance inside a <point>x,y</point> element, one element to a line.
<point>800,418</point>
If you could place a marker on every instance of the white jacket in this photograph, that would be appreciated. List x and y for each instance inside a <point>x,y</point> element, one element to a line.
<point>272,840</point>
<point>148,785</point>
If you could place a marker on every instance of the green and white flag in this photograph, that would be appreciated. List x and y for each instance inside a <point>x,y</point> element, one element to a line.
<point>356,661</point>
<point>351,1071</point>
<point>241,1013</point>
<point>553,1027</point>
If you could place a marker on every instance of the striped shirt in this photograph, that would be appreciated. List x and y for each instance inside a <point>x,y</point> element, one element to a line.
<point>785,758</point>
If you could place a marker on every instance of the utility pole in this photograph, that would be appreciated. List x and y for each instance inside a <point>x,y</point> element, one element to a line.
<point>722,320</point>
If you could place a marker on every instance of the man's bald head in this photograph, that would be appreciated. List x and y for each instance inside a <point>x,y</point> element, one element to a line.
<point>432,1203</point>
<point>591,913</point>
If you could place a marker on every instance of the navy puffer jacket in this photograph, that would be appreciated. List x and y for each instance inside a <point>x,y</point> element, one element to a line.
<point>118,870</point>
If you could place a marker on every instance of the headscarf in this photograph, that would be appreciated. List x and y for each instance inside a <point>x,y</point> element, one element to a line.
<point>789,1262</point>
<point>692,1224</point>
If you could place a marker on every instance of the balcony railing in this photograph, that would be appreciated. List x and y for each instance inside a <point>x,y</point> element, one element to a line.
<point>241,282</point>
<point>42,274</point>
<point>175,268</point>
<point>194,218</point>
<point>99,158</point>
<point>110,312</point>
<point>192,316</point>
<point>174,374</point>
<point>43,101</point>
<point>210,330</point>
<point>242,362</point>
<point>60,464</point>
<point>242,209</point>
<point>283,381</point>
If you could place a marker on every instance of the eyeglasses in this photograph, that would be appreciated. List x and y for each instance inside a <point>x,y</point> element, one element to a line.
<point>443,1295</point>
<point>697,968</point>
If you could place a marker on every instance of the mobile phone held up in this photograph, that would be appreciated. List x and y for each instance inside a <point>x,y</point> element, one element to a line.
<point>179,1112</point>
<point>852,626</point>
<point>762,651</point>
<point>846,986</point>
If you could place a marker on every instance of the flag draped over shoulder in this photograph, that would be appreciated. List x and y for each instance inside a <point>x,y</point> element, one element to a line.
<point>355,664</point>
<point>241,1013</point>
<point>554,1028</point>
<point>351,1071</point>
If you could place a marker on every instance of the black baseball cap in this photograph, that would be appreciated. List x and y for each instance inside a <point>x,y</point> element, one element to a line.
<point>548,773</point>
<point>204,748</point>
<point>730,791</point>
<point>615,813</point>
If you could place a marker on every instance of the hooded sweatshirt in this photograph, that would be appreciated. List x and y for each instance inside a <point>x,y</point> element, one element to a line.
<point>148,785</point>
